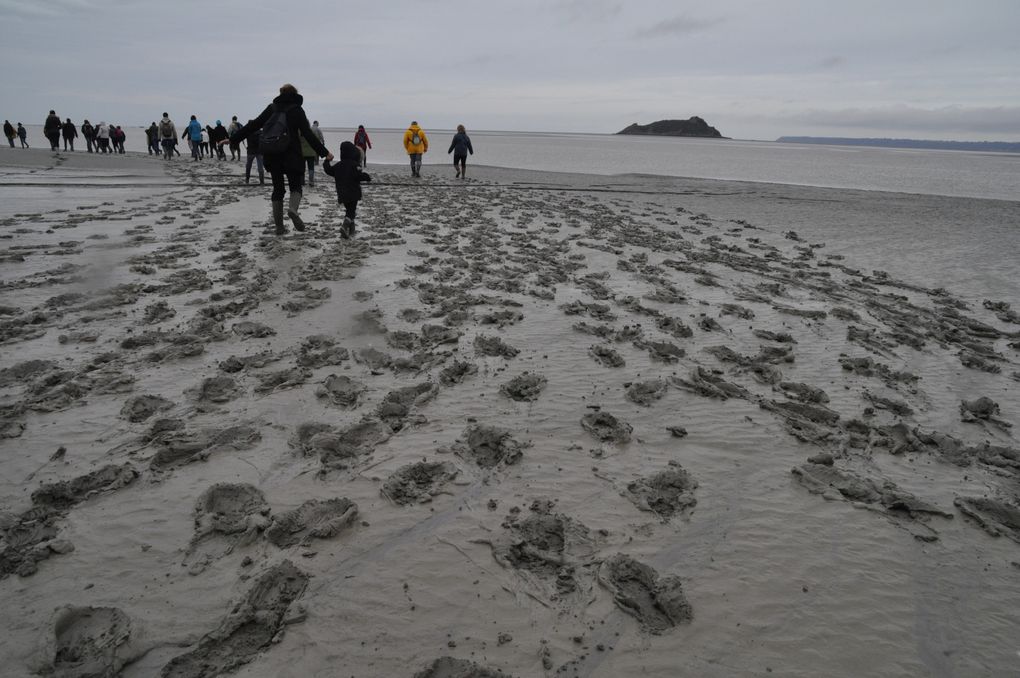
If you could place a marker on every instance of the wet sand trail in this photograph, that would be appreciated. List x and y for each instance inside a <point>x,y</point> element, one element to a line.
<point>525,425</point>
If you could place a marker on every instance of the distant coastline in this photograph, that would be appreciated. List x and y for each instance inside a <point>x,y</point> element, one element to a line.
<point>988,146</point>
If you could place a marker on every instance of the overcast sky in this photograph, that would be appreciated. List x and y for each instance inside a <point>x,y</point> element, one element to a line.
<point>755,69</point>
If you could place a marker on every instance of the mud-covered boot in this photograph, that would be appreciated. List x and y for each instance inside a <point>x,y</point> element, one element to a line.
<point>278,217</point>
<point>292,211</point>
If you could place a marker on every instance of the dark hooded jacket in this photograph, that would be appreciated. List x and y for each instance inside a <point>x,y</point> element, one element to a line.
<point>88,131</point>
<point>152,133</point>
<point>347,173</point>
<point>9,130</point>
<point>218,134</point>
<point>290,161</point>
<point>69,130</point>
<point>52,126</point>
<point>461,145</point>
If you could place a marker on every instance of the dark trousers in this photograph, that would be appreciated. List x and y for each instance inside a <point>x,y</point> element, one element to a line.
<point>68,142</point>
<point>11,140</point>
<point>257,159</point>
<point>168,148</point>
<point>54,141</point>
<point>310,164</point>
<point>351,209</point>
<point>89,143</point>
<point>294,180</point>
<point>104,145</point>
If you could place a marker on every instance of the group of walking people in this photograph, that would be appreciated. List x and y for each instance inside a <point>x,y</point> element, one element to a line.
<point>101,138</point>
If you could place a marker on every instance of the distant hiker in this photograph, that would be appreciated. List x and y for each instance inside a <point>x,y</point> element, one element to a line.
<point>362,141</point>
<point>22,136</point>
<point>69,132</point>
<point>216,135</point>
<point>254,156</point>
<point>348,177</point>
<point>103,138</point>
<point>88,132</point>
<point>52,130</point>
<point>235,149</point>
<point>193,133</point>
<point>282,122</point>
<point>119,137</point>
<point>311,158</point>
<point>460,147</point>
<point>167,136</point>
<point>318,132</point>
<point>152,138</point>
<point>416,144</point>
<point>9,132</point>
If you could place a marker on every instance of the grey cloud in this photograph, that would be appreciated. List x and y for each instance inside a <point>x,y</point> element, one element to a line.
<point>832,62</point>
<point>681,25</point>
<point>576,10</point>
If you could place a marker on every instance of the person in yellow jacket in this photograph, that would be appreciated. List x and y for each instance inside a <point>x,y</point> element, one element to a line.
<point>416,144</point>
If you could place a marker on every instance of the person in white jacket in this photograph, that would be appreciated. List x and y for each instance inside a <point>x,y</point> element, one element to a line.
<point>103,137</point>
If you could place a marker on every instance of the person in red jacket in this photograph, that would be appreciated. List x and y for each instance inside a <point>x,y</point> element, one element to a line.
<point>362,141</point>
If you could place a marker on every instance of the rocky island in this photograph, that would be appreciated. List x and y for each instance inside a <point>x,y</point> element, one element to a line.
<point>692,127</point>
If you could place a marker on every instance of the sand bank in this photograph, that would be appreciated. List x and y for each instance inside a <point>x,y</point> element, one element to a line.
<point>533,424</point>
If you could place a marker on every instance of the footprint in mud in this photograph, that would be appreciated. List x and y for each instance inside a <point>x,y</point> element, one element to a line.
<point>320,350</point>
<point>666,493</point>
<point>488,446</point>
<point>158,312</point>
<point>449,667</point>
<point>995,517</point>
<point>494,347</point>
<point>710,385</point>
<point>248,629</point>
<point>66,493</point>
<point>658,603</point>
<point>645,393</point>
<point>282,379</point>
<point>373,359</point>
<point>340,390</point>
<point>247,329</point>
<point>230,509</point>
<point>606,427</point>
<point>663,351</point>
<point>395,408</point>
<point>341,449</point>
<point>403,340</point>
<point>215,390</point>
<point>524,387</point>
<point>180,447</point>
<point>803,392</point>
<point>314,519</point>
<point>238,363</point>
<point>418,483</point>
<point>456,372</point>
<point>88,642</point>
<point>604,355</point>
<point>549,550</point>
<point>436,335</point>
<point>140,408</point>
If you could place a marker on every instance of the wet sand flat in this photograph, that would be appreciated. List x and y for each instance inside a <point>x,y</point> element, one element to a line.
<point>531,424</point>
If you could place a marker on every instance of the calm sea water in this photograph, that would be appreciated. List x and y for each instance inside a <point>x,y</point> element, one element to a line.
<point>951,173</point>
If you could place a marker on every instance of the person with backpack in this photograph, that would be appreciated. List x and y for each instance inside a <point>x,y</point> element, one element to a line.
<point>88,132</point>
<point>51,129</point>
<point>167,136</point>
<point>216,135</point>
<point>102,138</point>
<point>362,141</point>
<point>416,144</point>
<point>348,177</point>
<point>193,133</point>
<point>460,147</point>
<point>9,132</point>
<point>235,149</point>
<point>119,137</point>
<point>23,136</point>
<point>254,156</point>
<point>282,122</point>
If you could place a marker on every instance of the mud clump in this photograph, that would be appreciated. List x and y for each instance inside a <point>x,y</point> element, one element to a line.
<point>494,347</point>
<point>995,517</point>
<point>395,408</point>
<point>489,446</point>
<point>524,387</point>
<point>418,483</point>
<point>711,385</point>
<point>658,603</point>
<point>67,493</point>
<point>249,628</point>
<point>372,358</point>
<point>456,372</point>
<point>662,351</point>
<point>604,355</point>
<point>88,642</point>
<point>238,363</point>
<point>314,519</point>
<point>180,447</point>
<point>606,427</point>
<point>341,450</point>
<point>833,483</point>
<point>142,407</point>
<point>282,379</point>
<point>667,493</point>
<point>803,392</point>
<point>218,389</point>
<point>252,330</point>
<point>320,350</point>
<point>449,667</point>
<point>645,393</point>
<point>342,391</point>
<point>982,408</point>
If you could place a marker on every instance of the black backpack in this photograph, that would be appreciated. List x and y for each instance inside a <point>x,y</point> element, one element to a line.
<point>275,133</point>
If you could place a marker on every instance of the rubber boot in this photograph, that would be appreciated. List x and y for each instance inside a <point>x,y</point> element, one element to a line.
<point>345,229</point>
<point>278,217</point>
<point>292,211</point>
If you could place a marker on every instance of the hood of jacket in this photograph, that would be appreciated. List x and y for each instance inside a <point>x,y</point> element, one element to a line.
<point>289,99</point>
<point>413,128</point>
<point>349,151</point>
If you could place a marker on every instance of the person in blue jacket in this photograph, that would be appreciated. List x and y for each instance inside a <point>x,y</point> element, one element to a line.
<point>460,147</point>
<point>193,133</point>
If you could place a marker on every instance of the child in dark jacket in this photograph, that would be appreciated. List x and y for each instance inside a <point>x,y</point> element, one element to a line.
<point>348,176</point>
